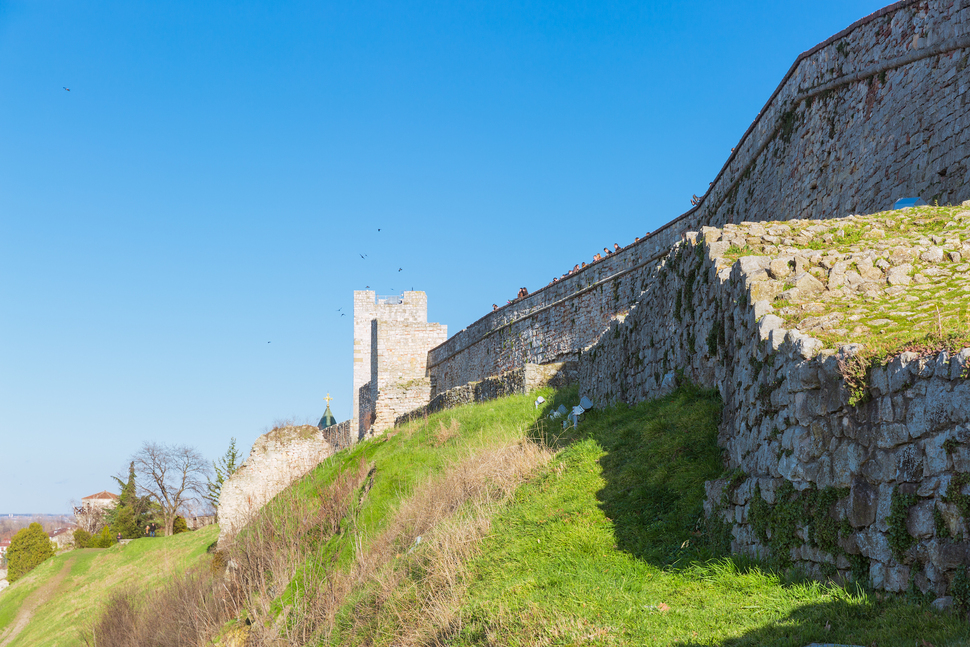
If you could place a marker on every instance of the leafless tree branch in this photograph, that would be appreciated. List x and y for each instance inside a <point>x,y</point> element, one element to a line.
<point>172,475</point>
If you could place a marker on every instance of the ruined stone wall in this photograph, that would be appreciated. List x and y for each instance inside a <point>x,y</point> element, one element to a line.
<point>878,112</point>
<point>277,458</point>
<point>869,485</point>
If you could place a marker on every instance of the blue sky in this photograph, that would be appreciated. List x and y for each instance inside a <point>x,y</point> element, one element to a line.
<point>179,230</point>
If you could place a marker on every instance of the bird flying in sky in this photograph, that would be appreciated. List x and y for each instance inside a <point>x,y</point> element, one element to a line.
<point>68,89</point>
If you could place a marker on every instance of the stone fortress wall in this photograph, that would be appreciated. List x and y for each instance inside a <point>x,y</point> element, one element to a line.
<point>878,112</point>
<point>875,113</point>
<point>876,490</point>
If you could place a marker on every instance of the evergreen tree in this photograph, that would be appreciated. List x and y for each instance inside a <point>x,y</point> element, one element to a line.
<point>180,525</point>
<point>133,512</point>
<point>82,538</point>
<point>104,539</point>
<point>28,548</point>
<point>224,467</point>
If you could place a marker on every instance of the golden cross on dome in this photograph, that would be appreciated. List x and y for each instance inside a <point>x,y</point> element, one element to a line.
<point>328,399</point>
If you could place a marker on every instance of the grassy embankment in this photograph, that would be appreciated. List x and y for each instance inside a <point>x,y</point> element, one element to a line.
<point>527,536</point>
<point>604,544</point>
<point>92,576</point>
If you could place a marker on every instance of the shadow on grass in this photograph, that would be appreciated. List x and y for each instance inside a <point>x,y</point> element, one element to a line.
<point>655,459</point>
<point>657,456</point>
<point>864,621</point>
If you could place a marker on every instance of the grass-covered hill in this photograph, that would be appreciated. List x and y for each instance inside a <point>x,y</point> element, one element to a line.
<point>482,525</point>
<point>56,603</point>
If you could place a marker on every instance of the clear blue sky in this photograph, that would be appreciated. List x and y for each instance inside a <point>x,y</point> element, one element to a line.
<point>209,181</point>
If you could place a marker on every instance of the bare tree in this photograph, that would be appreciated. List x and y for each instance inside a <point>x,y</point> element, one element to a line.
<point>172,475</point>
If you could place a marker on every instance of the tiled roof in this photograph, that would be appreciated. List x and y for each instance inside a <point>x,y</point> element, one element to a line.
<point>102,495</point>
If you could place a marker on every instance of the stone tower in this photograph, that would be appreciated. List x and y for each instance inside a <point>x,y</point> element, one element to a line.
<point>392,338</point>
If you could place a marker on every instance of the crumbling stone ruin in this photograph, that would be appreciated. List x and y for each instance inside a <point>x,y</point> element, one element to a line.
<point>277,458</point>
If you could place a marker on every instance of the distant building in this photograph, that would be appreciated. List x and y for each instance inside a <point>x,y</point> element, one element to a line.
<point>62,538</point>
<point>4,545</point>
<point>102,500</point>
<point>90,514</point>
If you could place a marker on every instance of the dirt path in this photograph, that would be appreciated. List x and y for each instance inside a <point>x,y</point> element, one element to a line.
<point>34,600</point>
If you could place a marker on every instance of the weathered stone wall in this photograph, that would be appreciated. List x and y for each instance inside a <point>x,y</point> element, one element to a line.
<point>519,380</point>
<point>552,324</point>
<point>401,355</point>
<point>277,458</point>
<point>812,478</point>
<point>875,113</point>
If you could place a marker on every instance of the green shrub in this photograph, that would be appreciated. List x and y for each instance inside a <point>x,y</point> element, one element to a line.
<point>179,525</point>
<point>104,539</point>
<point>28,548</point>
<point>82,538</point>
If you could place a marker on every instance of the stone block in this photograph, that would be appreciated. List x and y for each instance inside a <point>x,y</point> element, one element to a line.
<point>935,461</point>
<point>750,265</point>
<point>768,324</point>
<point>891,435</point>
<point>863,503</point>
<point>847,459</point>
<point>765,290</point>
<point>947,555</point>
<point>897,578</point>
<point>874,545</point>
<point>900,275</point>
<point>909,464</point>
<point>932,255</point>
<point>807,284</point>
<point>920,521</point>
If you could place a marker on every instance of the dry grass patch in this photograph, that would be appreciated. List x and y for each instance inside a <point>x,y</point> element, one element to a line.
<point>416,566</point>
<point>306,574</point>
<point>444,434</point>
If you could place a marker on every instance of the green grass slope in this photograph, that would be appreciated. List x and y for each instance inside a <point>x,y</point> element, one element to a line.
<point>603,542</point>
<point>491,525</point>
<point>90,576</point>
<point>607,547</point>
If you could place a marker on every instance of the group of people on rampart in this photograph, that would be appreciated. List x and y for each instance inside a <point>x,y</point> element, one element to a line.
<point>607,252</point>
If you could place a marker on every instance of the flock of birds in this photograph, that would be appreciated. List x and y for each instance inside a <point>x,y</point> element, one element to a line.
<point>363,257</point>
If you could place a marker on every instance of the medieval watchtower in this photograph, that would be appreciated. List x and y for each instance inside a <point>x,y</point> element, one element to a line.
<point>392,338</point>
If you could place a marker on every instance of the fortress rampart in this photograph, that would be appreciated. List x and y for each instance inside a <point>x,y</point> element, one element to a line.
<point>875,113</point>
<point>876,473</point>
